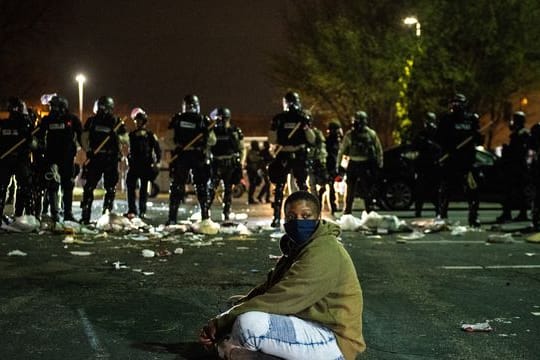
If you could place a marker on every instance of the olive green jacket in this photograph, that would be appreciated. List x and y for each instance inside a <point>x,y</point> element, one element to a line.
<point>318,283</point>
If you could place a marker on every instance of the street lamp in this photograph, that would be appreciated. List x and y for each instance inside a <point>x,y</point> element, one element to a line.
<point>80,78</point>
<point>411,20</point>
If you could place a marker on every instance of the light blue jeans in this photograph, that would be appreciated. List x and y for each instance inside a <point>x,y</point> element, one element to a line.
<point>287,337</point>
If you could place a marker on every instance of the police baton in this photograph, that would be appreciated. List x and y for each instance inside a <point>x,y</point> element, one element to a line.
<point>19,143</point>
<point>464,142</point>
<point>106,140</point>
<point>193,141</point>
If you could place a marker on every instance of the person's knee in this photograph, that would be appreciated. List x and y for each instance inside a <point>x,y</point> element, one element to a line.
<point>251,326</point>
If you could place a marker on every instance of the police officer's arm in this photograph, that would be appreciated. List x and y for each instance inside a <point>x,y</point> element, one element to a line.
<point>77,130</point>
<point>378,150</point>
<point>123,135</point>
<point>156,148</point>
<point>272,134</point>
<point>311,136</point>
<point>344,147</point>
<point>85,136</point>
<point>240,143</point>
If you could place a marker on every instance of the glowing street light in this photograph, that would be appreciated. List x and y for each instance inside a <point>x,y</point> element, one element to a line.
<point>80,78</point>
<point>411,20</point>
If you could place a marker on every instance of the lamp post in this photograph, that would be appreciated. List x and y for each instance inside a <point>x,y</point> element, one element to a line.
<point>411,20</point>
<point>80,78</point>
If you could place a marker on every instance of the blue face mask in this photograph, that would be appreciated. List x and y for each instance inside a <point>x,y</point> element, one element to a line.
<point>300,230</point>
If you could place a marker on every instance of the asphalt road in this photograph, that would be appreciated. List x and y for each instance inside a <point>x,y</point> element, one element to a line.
<point>417,292</point>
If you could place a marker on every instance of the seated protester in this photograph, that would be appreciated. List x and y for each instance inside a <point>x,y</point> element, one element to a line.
<point>308,308</point>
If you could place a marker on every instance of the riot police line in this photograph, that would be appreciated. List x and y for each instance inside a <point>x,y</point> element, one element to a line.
<point>210,151</point>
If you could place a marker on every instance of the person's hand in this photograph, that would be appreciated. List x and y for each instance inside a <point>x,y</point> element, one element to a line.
<point>207,336</point>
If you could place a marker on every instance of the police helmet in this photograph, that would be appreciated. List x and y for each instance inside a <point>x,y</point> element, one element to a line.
<point>458,102</point>
<point>224,113</point>
<point>430,120</point>
<point>291,101</point>
<point>16,105</point>
<point>105,104</point>
<point>139,116</point>
<point>191,104</point>
<point>58,104</point>
<point>518,120</point>
<point>360,120</point>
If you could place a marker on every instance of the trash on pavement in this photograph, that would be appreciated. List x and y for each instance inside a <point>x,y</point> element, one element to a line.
<point>117,265</point>
<point>500,239</point>
<point>147,253</point>
<point>207,227</point>
<point>16,253</point>
<point>458,230</point>
<point>530,254</point>
<point>117,223</point>
<point>534,238</point>
<point>477,327</point>
<point>412,236</point>
<point>430,225</point>
<point>22,224</point>
<point>179,251</point>
<point>80,253</point>
<point>348,222</point>
<point>234,228</point>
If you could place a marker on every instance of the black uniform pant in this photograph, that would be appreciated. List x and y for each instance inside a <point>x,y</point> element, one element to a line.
<point>197,162</point>
<point>100,165</point>
<point>289,163</point>
<point>516,180</point>
<point>142,174</point>
<point>65,168</point>
<point>317,176</point>
<point>226,170</point>
<point>21,168</point>
<point>361,178</point>
<point>426,187</point>
<point>465,177</point>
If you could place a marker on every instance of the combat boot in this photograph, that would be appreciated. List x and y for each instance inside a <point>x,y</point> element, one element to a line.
<point>108,200</point>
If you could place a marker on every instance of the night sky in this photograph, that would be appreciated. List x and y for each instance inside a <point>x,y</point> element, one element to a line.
<point>152,53</point>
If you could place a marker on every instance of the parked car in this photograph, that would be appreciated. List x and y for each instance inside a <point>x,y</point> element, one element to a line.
<point>396,181</point>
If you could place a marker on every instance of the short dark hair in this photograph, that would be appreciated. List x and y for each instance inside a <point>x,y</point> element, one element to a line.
<point>306,196</point>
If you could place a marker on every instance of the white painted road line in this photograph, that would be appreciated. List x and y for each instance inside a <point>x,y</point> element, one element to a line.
<point>101,353</point>
<point>488,267</point>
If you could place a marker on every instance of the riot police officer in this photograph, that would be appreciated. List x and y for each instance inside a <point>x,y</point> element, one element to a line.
<point>16,141</point>
<point>363,147</point>
<point>291,131</point>
<point>516,169</point>
<point>226,157</point>
<point>101,138</point>
<point>534,146</point>
<point>193,137</point>
<point>458,134</point>
<point>60,134</point>
<point>334,135</point>
<point>144,157</point>
<point>426,166</point>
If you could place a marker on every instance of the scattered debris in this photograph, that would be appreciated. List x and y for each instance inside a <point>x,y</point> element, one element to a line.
<point>206,226</point>
<point>80,253</point>
<point>234,228</point>
<point>22,224</point>
<point>412,236</point>
<point>534,238</point>
<point>500,239</point>
<point>179,251</point>
<point>117,265</point>
<point>16,253</point>
<point>383,224</point>
<point>478,327</point>
<point>430,225</point>
<point>148,253</point>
